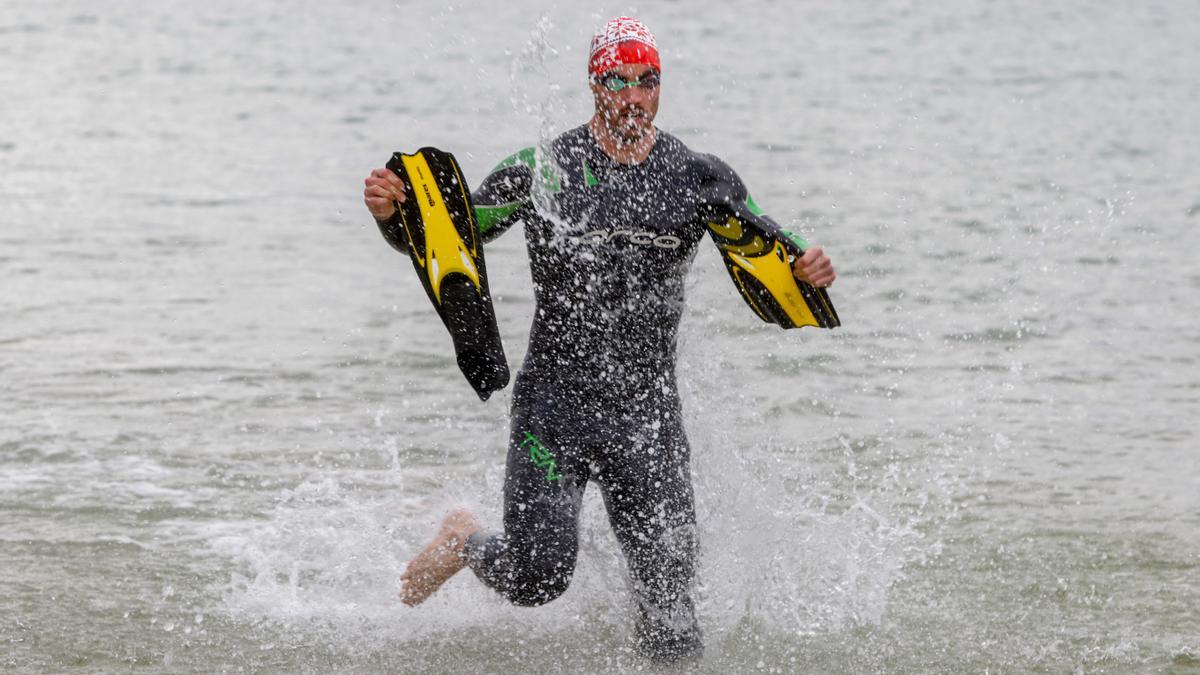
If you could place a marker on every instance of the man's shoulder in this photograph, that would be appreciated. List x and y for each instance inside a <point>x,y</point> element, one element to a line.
<point>572,142</point>
<point>674,147</point>
<point>525,157</point>
<point>566,143</point>
<point>716,168</point>
<point>706,166</point>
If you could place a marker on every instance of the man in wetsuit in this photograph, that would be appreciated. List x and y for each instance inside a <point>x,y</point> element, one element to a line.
<point>613,212</point>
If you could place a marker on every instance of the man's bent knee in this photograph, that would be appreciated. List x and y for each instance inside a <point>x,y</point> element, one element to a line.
<point>537,585</point>
<point>525,574</point>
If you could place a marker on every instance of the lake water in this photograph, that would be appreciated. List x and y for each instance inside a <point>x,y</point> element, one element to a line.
<point>230,415</point>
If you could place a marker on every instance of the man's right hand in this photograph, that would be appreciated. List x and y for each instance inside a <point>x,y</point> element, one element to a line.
<point>384,188</point>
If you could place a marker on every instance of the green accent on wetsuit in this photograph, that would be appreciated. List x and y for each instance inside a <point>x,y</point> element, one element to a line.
<point>758,211</point>
<point>528,157</point>
<point>589,178</point>
<point>488,216</point>
<point>796,239</point>
<point>525,156</point>
<point>541,456</point>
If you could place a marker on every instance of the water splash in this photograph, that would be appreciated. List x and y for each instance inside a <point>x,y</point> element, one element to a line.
<point>327,559</point>
<point>813,513</point>
<point>534,93</point>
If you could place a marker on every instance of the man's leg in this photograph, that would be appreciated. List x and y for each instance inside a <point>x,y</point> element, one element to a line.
<point>532,560</point>
<point>648,492</point>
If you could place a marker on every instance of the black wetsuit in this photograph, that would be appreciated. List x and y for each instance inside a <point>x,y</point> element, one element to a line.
<point>596,399</point>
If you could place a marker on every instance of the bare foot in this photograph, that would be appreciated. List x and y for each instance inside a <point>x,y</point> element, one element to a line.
<point>440,559</point>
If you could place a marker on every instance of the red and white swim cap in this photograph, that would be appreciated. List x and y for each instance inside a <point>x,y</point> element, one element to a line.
<point>620,42</point>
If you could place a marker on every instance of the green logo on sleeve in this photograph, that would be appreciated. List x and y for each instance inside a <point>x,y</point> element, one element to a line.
<point>541,456</point>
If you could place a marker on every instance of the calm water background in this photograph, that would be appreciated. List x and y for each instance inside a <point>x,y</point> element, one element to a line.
<point>229,415</point>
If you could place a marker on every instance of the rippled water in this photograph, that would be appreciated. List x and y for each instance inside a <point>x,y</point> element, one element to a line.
<point>230,416</point>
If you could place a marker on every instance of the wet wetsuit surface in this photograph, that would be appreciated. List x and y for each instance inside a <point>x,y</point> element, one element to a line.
<point>596,399</point>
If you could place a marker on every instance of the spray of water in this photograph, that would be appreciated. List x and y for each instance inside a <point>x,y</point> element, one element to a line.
<point>802,533</point>
<point>806,523</point>
<point>327,560</point>
<point>535,96</point>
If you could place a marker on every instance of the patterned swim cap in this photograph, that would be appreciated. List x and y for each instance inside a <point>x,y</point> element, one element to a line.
<point>622,41</point>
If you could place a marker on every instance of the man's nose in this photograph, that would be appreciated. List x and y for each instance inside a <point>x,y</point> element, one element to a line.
<point>635,94</point>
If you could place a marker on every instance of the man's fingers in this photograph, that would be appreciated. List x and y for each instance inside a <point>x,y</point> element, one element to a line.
<point>379,198</point>
<point>822,276</point>
<point>381,191</point>
<point>380,207</point>
<point>819,267</point>
<point>397,186</point>
<point>388,176</point>
<point>820,279</point>
<point>814,267</point>
<point>388,181</point>
<point>823,279</point>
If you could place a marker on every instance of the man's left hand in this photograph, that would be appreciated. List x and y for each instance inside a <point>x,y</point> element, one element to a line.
<point>814,267</point>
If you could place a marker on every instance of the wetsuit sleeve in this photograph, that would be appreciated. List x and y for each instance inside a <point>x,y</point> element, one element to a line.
<point>758,253</point>
<point>504,195</point>
<point>393,233</point>
<point>730,204</point>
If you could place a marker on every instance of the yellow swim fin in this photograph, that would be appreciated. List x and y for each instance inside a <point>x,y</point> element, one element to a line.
<point>759,260</point>
<point>442,239</point>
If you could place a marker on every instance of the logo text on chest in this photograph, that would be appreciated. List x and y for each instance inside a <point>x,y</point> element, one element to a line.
<point>639,237</point>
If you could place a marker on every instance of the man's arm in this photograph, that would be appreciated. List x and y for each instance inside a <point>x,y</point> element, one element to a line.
<point>503,195</point>
<point>498,201</point>
<point>383,191</point>
<point>729,194</point>
<point>777,273</point>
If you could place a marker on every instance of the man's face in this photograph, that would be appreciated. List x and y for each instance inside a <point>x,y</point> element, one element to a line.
<point>628,113</point>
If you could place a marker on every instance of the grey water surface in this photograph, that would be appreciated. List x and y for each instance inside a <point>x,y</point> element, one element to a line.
<point>228,415</point>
